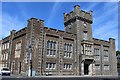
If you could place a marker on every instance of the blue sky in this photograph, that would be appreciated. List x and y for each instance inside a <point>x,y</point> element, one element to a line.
<point>16,14</point>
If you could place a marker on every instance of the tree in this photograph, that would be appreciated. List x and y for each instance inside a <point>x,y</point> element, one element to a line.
<point>117,53</point>
<point>118,64</point>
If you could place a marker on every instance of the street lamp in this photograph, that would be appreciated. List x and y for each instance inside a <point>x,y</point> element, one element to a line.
<point>30,60</point>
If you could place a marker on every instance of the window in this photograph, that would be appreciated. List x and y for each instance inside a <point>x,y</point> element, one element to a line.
<point>51,48</point>
<point>48,43</point>
<point>88,49</point>
<point>106,67</point>
<point>106,55</point>
<point>3,56</point>
<point>97,51</point>
<point>106,58</point>
<point>2,46</point>
<point>68,66</point>
<point>50,65</point>
<point>85,35</point>
<point>68,50</point>
<point>97,54</point>
<point>17,50</point>
<point>18,46</point>
<point>97,66</point>
<point>84,24</point>
<point>69,26</point>
<point>7,45</point>
<point>6,56</point>
<point>97,57</point>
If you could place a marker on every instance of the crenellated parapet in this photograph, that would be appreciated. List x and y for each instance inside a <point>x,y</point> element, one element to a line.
<point>78,14</point>
<point>57,33</point>
<point>35,22</point>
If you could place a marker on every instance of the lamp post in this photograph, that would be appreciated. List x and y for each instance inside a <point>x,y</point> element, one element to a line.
<point>30,60</point>
<point>30,50</point>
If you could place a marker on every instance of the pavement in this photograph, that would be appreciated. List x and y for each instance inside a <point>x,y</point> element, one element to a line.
<point>17,77</point>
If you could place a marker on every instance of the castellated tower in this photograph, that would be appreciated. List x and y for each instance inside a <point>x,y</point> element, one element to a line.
<point>79,22</point>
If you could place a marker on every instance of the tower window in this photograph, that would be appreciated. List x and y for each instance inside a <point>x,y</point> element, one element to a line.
<point>84,35</point>
<point>69,26</point>
<point>85,24</point>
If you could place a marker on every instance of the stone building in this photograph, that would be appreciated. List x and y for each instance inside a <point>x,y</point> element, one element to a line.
<point>56,52</point>
<point>0,53</point>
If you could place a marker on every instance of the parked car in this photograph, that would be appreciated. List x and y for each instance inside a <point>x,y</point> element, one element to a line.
<point>4,71</point>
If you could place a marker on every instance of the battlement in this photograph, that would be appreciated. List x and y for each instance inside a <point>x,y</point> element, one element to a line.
<point>6,39</point>
<point>21,30</point>
<point>105,43</point>
<point>52,29</point>
<point>100,40</point>
<point>56,32</point>
<point>35,19</point>
<point>78,13</point>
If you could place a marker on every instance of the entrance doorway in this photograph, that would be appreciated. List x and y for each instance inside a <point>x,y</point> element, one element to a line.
<point>87,67</point>
<point>19,67</point>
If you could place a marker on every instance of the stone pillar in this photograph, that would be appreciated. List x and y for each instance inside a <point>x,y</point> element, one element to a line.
<point>93,68</point>
<point>82,68</point>
<point>60,55</point>
<point>90,69</point>
<point>10,48</point>
<point>84,49</point>
<point>113,57</point>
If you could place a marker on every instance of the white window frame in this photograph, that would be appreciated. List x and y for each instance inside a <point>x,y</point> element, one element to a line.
<point>106,55</point>
<point>53,66</point>
<point>106,67</point>
<point>106,58</point>
<point>97,66</point>
<point>18,47</point>
<point>68,50</point>
<point>97,57</point>
<point>67,66</point>
<point>52,47</point>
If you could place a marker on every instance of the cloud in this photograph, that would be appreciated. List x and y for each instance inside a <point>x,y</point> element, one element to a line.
<point>107,12</point>
<point>9,23</point>
<point>106,22</point>
<point>56,7</point>
<point>92,5</point>
<point>23,11</point>
<point>101,29</point>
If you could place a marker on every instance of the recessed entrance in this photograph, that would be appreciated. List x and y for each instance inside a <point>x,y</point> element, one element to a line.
<point>86,69</point>
<point>87,66</point>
